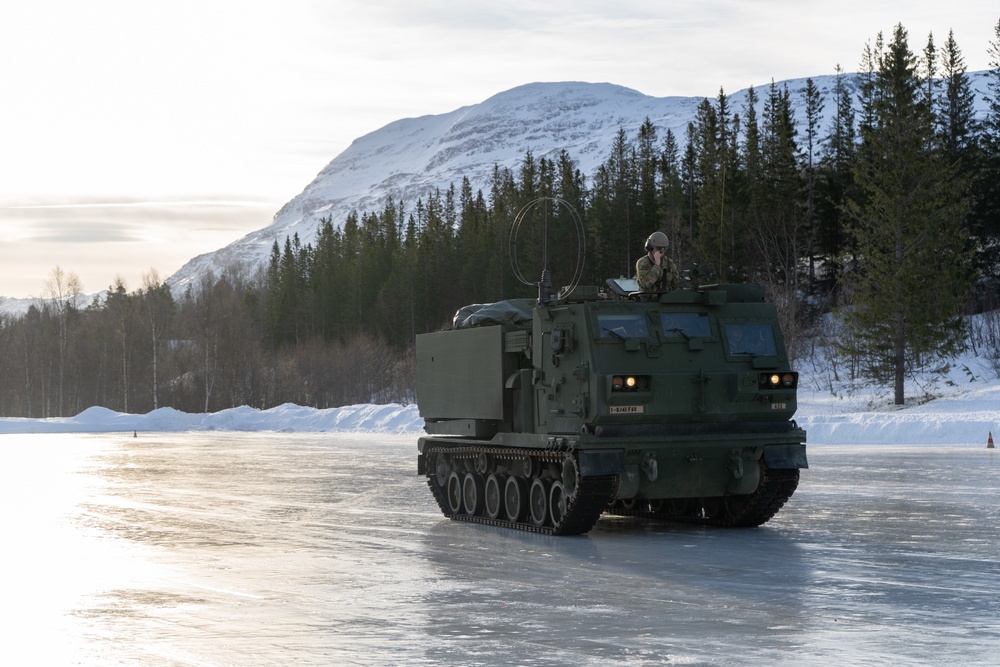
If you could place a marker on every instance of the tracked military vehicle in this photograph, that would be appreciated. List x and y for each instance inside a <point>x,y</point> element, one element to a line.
<point>543,414</point>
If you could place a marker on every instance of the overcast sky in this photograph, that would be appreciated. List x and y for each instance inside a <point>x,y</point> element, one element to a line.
<point>139,134</point>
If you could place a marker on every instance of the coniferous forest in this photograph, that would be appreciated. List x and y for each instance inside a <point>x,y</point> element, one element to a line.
<point>875,234</point>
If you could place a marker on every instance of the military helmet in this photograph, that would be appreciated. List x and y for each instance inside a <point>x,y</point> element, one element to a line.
<point>657,240</point>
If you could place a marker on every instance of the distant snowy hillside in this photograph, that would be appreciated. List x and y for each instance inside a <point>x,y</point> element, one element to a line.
<point>407,159</point>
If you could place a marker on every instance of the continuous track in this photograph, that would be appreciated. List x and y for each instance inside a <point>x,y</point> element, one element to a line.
<point>542,492</point>
<point>775,488</point>
<point>571,508</point>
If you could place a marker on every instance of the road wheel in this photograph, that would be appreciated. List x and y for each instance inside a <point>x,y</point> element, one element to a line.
<point>494,496</point>
<point>472,493</point>
<point>454,493</point>
<point>515,498</point>
<point>538,501</point>
<point>557,502</point>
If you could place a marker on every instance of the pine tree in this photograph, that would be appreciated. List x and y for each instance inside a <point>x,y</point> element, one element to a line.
<point>690,179</point>
<point>648,167</point>
<point>929,64</point>
<point>157,305</point>
<point>612,227</point>
<point>118,307</point>
<point>985,215</point>
<point>503,209</point>
<point>570,186</point>
<point>751,155</point>
<point>435,259</point>
<point>868,89</point>
<point>285,294</point>
<point>908,275</point>
<point>672,201</point>
<point>474,256</point>
<point>327,281</point>
<point>957,133</point>
<point>814,108</point>
<point>778,238</point>
<point>956,118</point>
<point>717,241</point>
<point>991,123</point>
<point>837,167</point>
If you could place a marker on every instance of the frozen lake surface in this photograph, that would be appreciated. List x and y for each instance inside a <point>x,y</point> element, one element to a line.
<point>326,549</point>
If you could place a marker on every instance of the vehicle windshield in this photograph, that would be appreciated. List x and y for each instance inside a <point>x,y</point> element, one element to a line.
<point>622,325</point>
<point>750,338</point>
<point>686,325</point>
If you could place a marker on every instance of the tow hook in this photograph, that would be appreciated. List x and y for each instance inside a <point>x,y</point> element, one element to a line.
<point>648,466</point>
<point>735,465</point>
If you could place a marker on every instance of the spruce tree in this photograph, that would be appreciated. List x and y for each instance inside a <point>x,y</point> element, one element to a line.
<point>929,67</point>
<point>837,158</point>
<point>614,240</point>
<point>778,238</point>
<point>751,159</point>
<point>958,130</point>
<point>327,281</point>
<point>814,108</point>
<point>690,179</point>
<point>991,123</point>
<point>957,115</point>
<point>648,167</point>
<point>569,185</point>
<point>985,215</point>
<point>907,278</point>
<point>503,207</point>
<point>717,243</point>
<point>477,249</point>
<point>672,202</point>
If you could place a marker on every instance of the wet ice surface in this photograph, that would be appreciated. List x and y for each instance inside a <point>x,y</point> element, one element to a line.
<point>326,549</point>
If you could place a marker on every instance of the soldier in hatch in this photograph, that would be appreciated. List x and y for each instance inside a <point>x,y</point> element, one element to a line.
<point>654,271</point>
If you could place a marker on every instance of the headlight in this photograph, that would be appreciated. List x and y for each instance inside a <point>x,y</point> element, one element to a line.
<point>630,383</point>
<point>778,380</point>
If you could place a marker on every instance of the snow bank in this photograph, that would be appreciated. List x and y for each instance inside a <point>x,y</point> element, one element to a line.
<point>965,418</point>
<point>356,418</point>
<point>964,413</point>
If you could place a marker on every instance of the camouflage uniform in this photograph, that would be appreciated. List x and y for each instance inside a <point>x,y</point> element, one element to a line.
<point>653,278</point>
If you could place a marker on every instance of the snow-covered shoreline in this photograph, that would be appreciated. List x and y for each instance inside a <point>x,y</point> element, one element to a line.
<point>291,418</point>
<point>965,417</point>
<point>962,417</point>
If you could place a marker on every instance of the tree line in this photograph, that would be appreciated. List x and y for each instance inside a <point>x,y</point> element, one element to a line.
<point>888,217</point>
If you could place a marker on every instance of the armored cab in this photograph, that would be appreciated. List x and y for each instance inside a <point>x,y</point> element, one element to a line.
<point>543,416</point>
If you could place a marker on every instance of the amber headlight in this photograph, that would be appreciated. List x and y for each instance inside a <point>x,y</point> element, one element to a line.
<point>630,383</point>
<point>778,380</point>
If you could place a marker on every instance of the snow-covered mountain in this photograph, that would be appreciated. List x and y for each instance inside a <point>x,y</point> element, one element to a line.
<point>407,159</point>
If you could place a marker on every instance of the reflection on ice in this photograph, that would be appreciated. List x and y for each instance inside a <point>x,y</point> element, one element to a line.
<point>318,549</point>
<point>55,564</point>
<point>627,593</point>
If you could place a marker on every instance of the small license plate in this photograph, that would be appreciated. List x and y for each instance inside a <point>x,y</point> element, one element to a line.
<point>627,409</point>
<point>779,406</point>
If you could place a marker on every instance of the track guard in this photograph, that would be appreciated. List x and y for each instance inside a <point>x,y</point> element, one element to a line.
<point>784,457</point>
<point>599,463</point>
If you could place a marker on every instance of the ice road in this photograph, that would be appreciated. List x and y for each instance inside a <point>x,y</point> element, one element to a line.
<point>223,548</point>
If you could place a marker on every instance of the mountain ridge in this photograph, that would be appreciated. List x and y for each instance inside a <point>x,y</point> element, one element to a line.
<point>408,158</point>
